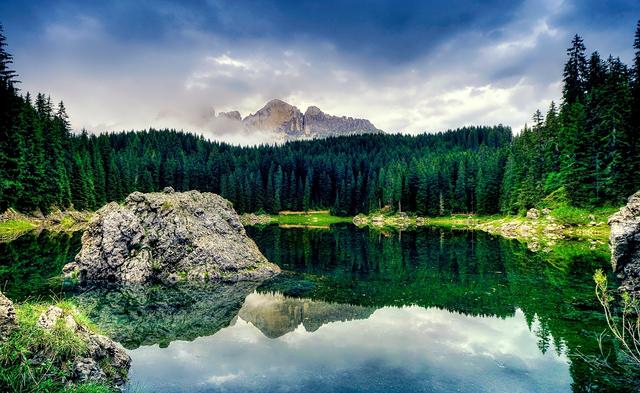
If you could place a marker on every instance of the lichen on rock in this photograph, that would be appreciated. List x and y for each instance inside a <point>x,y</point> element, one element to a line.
<point>167,237</point>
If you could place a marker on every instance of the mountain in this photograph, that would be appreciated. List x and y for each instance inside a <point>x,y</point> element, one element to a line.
<point>289,123</point>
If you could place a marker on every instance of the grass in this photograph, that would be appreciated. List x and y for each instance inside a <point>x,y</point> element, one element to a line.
<point>318,218</point>
<point>574,216</point>
<point>67,222</point>
<point>34,359</point>
<point>11,229</point>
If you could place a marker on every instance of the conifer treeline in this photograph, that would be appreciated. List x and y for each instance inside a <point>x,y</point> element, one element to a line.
<point>586,151</point>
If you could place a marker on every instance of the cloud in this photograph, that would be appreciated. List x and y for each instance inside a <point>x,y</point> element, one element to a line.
<point>419,67</point>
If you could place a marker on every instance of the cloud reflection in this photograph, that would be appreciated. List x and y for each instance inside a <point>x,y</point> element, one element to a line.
<point>394,349</point>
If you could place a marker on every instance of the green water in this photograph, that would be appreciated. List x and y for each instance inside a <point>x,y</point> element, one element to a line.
<point>430,310</point>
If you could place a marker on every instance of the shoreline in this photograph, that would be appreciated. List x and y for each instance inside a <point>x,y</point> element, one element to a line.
<point>14,224</point>
<point>540,228</point>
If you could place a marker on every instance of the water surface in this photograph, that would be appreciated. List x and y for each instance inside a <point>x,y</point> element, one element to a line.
<point>354,310</point>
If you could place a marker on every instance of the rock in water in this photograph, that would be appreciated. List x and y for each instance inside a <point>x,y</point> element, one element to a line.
<point>625,244</point>
<point>7,317</point>
<point>168,237</point>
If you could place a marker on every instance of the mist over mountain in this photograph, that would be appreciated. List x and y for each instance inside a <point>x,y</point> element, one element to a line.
<point>282,121</point>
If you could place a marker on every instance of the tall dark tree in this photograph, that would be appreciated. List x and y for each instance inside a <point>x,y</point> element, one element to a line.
<point>10,138</point>
<point>575,72</point>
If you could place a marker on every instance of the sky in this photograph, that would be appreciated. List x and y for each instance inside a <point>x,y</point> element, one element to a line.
<point>410,66</point>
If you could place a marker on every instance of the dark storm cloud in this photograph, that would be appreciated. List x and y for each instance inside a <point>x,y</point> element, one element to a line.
<point>376,30</point>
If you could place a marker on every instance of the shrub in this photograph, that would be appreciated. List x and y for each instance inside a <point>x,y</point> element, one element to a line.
<point>624,326</point>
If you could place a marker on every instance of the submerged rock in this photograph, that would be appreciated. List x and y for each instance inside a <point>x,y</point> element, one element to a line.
<point>7,317</point>
<point>168,237</point>
<point>625,244</point>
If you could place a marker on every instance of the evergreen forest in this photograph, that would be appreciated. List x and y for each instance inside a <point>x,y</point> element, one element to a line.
<point>583,151</point>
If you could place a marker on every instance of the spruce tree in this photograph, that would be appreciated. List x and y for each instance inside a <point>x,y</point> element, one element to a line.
<point>575,71</point>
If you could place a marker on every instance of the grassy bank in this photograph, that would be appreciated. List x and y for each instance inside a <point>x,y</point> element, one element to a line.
<point>541,229</point>
<point>11,229</point>
<point>14,224</point>
<point>34,359</point>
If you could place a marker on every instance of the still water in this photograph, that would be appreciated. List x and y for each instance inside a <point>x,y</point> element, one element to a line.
<point>358,310</point>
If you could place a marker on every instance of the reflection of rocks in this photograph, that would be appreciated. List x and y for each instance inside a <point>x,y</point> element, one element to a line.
<point>145,315</point>
<point>625,243</point>
<point>168,236</point>
<point>276,314</point>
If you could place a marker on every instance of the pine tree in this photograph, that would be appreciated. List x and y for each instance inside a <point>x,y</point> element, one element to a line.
<point>31,175</point>
<point>277,194</point>
<point>460,203</point>
<point>113,182</point>
<point>7,74</point>
<point>306,198</point>
<point>99,176</point>
<point>575,71</point>
<point>635,106</point>
<point>620,166</point>
<point>10,136</point>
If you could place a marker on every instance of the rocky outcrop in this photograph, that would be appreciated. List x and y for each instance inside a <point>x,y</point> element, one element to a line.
<point>320,125</point>
<point>8,321</point>
<point>102,360</point>
<point>625,244</point>
<point>289,123</point>
<point>277,116</point>
<point>167,237</point>
<point>249,219</point>
<point>105,361</point>
<point>233,115</point>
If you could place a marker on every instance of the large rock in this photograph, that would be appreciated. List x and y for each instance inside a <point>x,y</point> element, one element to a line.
<point>168,237</point>
<point>7,317</point>
<point>625,244</point>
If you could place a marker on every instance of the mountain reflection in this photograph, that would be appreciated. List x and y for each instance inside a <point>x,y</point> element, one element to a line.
<point>283,344</point>
<point>276,315</point>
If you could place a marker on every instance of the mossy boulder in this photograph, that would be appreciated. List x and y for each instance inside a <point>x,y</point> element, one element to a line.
<point>168,237</point>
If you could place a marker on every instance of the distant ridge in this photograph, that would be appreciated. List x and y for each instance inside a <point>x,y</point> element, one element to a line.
<point>289,123</point>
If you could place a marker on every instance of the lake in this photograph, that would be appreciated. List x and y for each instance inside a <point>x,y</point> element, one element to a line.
<point>427,310</point>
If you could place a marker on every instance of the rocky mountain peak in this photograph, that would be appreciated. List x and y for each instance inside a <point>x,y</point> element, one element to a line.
<point>288,122</point>
<point>313,111</point>
<point>232,115</point>
<point>277,116</point>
